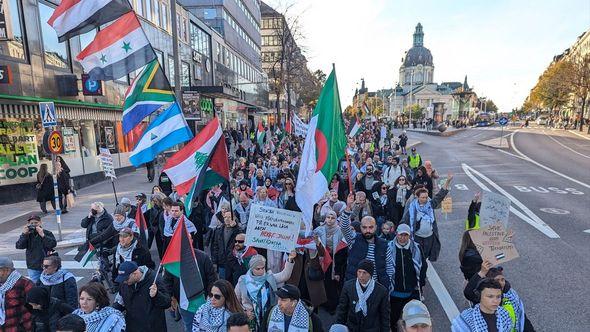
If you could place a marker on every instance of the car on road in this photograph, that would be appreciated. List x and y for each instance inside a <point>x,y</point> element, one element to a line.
<point>541,121</point>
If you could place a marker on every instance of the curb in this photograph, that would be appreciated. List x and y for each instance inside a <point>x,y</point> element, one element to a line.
<point>504,146</point>
<point>437,133</point>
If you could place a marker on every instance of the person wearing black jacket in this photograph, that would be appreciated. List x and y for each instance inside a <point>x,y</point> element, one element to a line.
<point>154,220</point>
<point>96,223</point>
<point>46,310</point>
<point>364,303</point>
<point>165,184</point>
<point>142,297</point>
<point>130,249</point>
<point>382,203</point>
<point>172,284</point>
<point>60,282</point>
<point>469,257</point>
<point>399,193</point>
<point>38,243</point>
<point>223,241</point>
<point>423,179</point>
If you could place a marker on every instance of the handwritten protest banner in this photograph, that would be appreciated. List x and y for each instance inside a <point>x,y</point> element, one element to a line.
<point>272,228</point>
<point>495,208</point>
<point>495,243</point>
<point>300,126</point>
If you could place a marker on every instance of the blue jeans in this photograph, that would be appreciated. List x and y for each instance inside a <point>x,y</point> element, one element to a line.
<point>187,319</point>
<point>221,272</point>
<point>34,275</point>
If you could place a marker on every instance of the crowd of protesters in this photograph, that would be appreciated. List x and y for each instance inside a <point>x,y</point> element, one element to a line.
<point>377,223</point>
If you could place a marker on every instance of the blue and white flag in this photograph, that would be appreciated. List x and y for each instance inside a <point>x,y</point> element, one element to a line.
<point>168,129</point>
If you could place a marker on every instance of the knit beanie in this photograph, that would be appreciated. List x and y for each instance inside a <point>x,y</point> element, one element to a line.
<point>366,265</point>
<point>338,328</point>
<point>120,209</point>
<point>257,260</point>
<point>39,295</point>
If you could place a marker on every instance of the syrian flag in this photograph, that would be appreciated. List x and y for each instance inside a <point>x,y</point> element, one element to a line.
<point>324,146</point>
<point>117,50</point>
<point>142,226</point>
<point>366,108</point>
<point>180,261</point>
<point>260,134</point>
<point>75,17</point>
<point>149,92</point>
<point>200,164</point>
<point>168,129</point>
<point>354,127</point>
<point>85,255</point>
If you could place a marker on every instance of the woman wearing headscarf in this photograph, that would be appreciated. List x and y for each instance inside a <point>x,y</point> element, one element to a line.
<point>256,289</point>
<point>331,235</point>
<point>423,179</point>
<point>46,310</point>
<point>401,191</point>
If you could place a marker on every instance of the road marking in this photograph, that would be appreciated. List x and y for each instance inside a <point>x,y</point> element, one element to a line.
<point>532,218</point>
<point>543,166</point>
<point>72,252</point>
<point>587,231</point>
<point>584,137</point>
<point>442,293</point>
<point>554,211</point>
<point>512,154</point>
<point>565,146</point>
<point>68,265</point>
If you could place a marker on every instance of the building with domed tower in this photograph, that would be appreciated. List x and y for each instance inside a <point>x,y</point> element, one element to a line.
<point>416,88</point>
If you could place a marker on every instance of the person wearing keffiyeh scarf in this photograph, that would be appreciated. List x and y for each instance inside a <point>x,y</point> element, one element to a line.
<point>60,283</point>
<point>488,311</point>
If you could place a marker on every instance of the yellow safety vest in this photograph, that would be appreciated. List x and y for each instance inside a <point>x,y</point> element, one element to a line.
<point>506,304</point>
<point>414,161</point>
<point>476,226</point>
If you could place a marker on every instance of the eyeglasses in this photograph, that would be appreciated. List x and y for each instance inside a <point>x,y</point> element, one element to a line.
<point>240,241</point>
<point>216,296</point>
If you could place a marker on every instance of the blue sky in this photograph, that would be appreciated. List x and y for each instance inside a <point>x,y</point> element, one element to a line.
<point>502,46</point>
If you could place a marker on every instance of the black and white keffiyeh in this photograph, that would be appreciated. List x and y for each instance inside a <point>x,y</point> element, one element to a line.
<point>57,278</point>
<point>210,319</point>
<point>299,320</point>
<point>107,319</point>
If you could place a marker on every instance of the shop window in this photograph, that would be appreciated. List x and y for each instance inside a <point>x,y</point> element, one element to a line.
<point>165,16</point>
<point>12,38</point>
<point>171,69</point>
<point>56,53</point>
<point>138,6</point>
<point>185,77</point>
<point>148,9</point>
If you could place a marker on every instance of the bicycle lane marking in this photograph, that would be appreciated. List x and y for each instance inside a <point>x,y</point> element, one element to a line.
<point>543,166</point>
<point>449,306</point>
<point>530,217</point>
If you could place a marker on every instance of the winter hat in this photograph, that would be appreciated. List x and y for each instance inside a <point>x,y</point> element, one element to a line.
<point>39,295</point>
<point>338,328</point>
<point>125,201</point>
<point>120,209</point>
<point>257,260</point>
<point>366,265</point>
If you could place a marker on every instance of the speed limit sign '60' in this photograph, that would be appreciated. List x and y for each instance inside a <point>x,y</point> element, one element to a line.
<point>56,142</point>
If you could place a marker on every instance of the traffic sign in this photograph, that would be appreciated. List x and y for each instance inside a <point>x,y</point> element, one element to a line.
<point>47,111</point>
<point>503,121</point>
<point>91,87</point>
<point>56,142</point>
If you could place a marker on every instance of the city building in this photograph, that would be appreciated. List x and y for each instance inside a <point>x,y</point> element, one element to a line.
<point>240,88</point>
<point>416,87</point>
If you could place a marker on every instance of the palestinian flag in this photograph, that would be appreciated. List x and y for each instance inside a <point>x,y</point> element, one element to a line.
<point>149,92</point>
<point>354,127</point>
<point>200,164</point>
<point>366,108</point>
<point>142,226</point>
<point>180,261</point>
<point>244,258</point>
<point>85,254</point>
<point>260,134</point>
<point>324,147</point>
<point>75,17</point>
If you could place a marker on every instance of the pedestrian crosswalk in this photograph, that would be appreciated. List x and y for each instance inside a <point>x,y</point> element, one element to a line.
<point>67,263</point>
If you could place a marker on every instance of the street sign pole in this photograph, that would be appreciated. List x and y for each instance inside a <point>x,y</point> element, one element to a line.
<point>503,121</point>
<point>501,135</point>
<point>56,194</point>
<point>114,191</point>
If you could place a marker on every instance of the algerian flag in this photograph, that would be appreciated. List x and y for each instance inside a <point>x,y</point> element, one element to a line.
<point>324,147</point>
<point>260,134</point>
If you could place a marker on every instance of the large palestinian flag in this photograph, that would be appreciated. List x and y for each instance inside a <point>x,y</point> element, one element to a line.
<point>180,261</point>
<point>260,134</point>
<point>324,146</point>
<point>85,254</point>
<point>201,164</point>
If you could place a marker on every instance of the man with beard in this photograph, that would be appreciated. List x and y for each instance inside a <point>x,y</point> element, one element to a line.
<point>237,263</point>
<point>363,245</point>
<point>392,171</point>
<point>365,184</point>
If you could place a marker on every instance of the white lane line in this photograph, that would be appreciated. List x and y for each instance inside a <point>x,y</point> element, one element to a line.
<point>442,293</point>
<point>68,265</point>
<point>512,154</point>
<point>587,231</point>
<point>565,146</point>
<point>584,137</point>
<point>543,166</point>
<point>72,252</point>
<point>530,217</point>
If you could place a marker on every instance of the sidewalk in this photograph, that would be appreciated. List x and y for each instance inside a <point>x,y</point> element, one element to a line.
<point>127,185</point>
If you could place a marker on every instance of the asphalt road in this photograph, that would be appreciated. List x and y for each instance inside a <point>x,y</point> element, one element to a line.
<point>554,262</point>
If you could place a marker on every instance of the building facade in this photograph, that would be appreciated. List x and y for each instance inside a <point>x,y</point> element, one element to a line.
<point>416,87</point>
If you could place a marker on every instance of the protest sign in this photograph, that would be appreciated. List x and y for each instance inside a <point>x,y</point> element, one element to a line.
<point>300,126</point>
<point>272,228</point>
<point>495,243</point>
<point>447,205</point>
<point>494,208</point>
<point>106,160</point>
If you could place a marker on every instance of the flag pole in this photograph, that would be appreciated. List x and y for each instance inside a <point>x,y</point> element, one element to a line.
<point>157,272</point>
<point>348,171</point>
